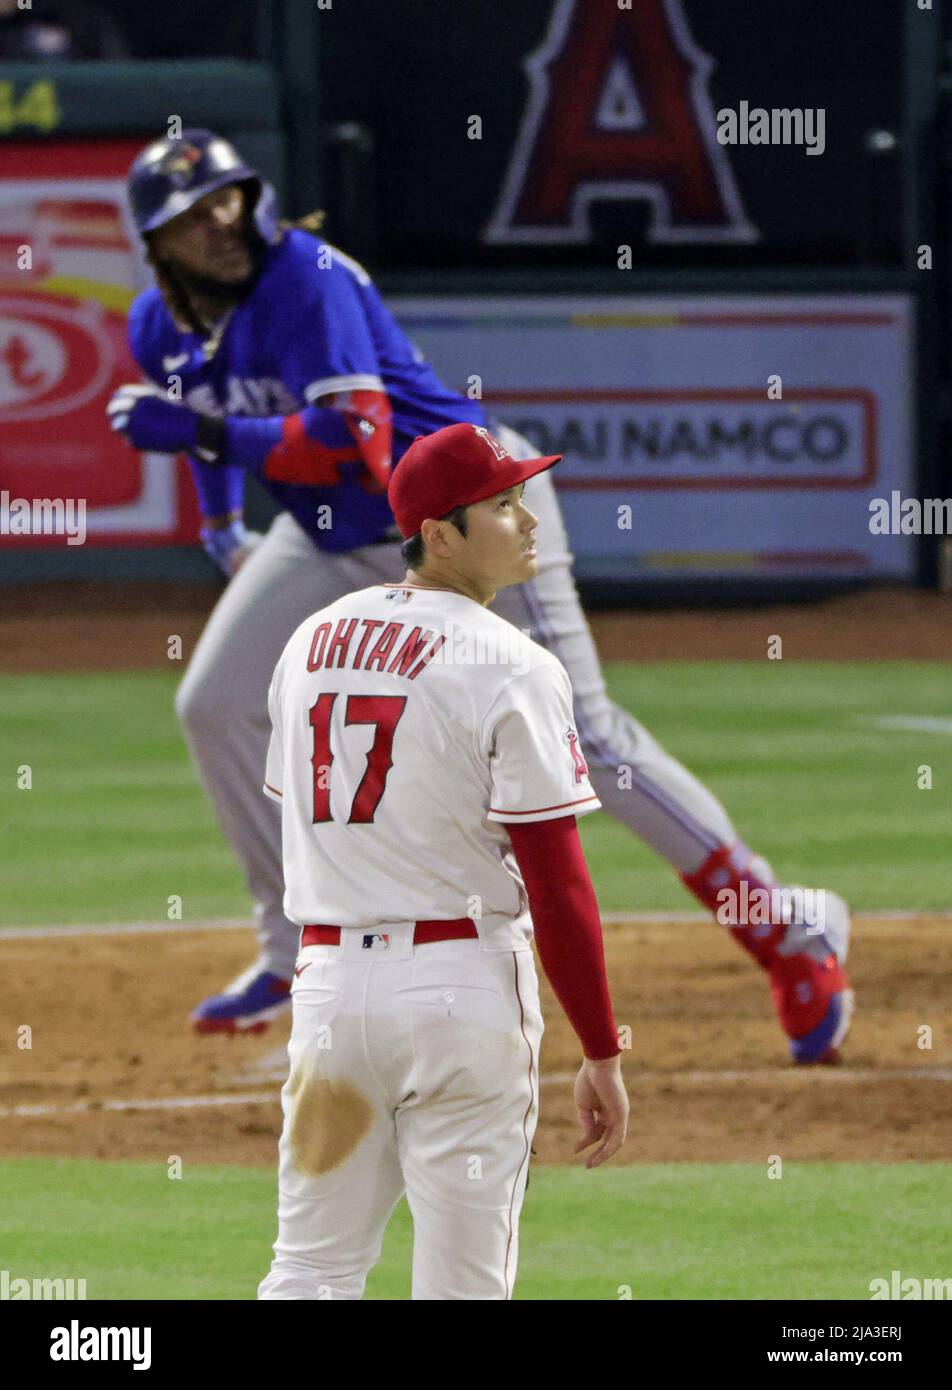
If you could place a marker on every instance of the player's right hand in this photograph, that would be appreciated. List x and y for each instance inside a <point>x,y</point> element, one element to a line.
<point>602,1104</point>
<point>149,420</point>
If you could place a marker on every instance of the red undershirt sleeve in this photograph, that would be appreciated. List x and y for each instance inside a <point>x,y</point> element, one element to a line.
<point>568,929</point>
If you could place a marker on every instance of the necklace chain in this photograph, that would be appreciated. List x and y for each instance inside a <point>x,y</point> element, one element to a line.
<point>212,343</point>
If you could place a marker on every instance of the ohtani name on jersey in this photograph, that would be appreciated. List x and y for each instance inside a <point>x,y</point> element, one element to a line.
<point>357,644</point>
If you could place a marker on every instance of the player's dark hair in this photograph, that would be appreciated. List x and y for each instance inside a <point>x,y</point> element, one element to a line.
<point>414,551</point>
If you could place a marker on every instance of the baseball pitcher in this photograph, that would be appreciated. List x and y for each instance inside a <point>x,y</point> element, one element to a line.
<point>425,758</point>
<point>267,350</point>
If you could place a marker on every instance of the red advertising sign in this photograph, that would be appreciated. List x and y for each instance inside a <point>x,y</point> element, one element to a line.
<point>70,266</point>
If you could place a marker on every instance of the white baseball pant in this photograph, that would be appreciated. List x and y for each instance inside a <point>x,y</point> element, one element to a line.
<point>222,701</point>
<point>413,1068</point>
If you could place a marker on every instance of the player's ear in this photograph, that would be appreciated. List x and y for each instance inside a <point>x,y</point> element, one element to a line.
<point>434,538</point>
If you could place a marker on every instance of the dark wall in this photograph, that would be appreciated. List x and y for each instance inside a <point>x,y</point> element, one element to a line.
<point>409,191</point>
<point>187,28</point>
<point>412,73</point>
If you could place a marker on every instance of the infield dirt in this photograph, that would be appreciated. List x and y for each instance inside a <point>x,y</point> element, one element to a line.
<point>707,1072</point>
<point>87,626</point>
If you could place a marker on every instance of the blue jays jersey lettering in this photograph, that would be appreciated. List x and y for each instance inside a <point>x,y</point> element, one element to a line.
<point>314,327</point>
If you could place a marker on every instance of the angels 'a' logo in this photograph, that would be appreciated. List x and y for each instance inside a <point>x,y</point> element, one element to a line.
<point>494,444</point>
<point>619,109</point>
<point>581,766</point>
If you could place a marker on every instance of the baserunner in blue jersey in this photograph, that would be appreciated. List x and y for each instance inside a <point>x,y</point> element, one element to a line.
<point>267,350</point>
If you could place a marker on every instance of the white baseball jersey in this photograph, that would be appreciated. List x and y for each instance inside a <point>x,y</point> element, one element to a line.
<point>409,725</point>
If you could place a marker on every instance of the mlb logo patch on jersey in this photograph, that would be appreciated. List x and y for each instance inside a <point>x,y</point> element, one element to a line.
<point>376,941</point>
<point>581,767</point>
<point>399,596</point>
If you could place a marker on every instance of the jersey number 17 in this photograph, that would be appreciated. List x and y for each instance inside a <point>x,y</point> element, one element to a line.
<point>385,713</point>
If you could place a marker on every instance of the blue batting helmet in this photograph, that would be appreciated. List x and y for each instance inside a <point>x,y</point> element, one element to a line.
<point>170,175</point>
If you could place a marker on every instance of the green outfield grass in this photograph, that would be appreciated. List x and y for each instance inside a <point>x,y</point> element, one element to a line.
<point>693,1231</point>
<point>115,821</point>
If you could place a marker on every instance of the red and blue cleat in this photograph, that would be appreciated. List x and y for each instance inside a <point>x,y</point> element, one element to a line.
<point>248,1005</point>
<point>811,992</point>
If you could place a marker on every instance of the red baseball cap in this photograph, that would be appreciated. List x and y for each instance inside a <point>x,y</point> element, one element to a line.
<point>454,467</point>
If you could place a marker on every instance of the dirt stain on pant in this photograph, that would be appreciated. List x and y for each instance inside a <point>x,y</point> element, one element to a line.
<point>328,1120</point>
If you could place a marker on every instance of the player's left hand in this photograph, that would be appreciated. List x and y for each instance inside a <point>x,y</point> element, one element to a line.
<point>601,1102</point>
<point>230,545</point>
<point>150,421</point>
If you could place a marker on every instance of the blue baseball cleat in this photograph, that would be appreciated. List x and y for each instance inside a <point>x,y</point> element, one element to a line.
<point>247,1006</point>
